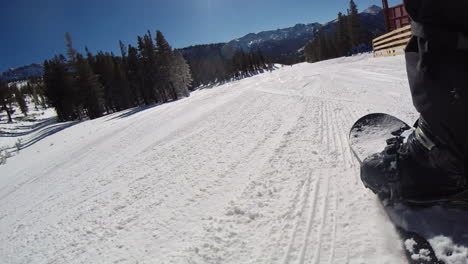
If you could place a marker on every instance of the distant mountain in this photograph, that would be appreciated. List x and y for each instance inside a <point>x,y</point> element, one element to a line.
<point>286,45</point>
<point>277,44</point>
<point>252,40</point>
<point>22,73</point>
<point>372,10</point>
<point>372,19</point>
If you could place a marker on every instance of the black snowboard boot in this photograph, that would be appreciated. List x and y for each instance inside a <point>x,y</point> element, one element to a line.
<point>414,170</point>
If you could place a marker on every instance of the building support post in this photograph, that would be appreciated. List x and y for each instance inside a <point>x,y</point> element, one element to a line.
<point>385,11</point>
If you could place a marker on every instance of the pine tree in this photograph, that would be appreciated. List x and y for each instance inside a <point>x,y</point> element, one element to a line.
<point>347,34</point>
<point>122,66</point>
<point>90,91</point>
<point>341,36</point>
<point>236,65</point>
<point>322,46</point>
<point>123,52</point>
<point>20,100</point>
<point>104,68</point>
<point>38,91</point>
<point>135,76</point>
<point>181,76</point>
<point>71,52</point>
<point>59,90</point>
<point>244,62</point>
<point>354,25</point>
<point>165,68</point>
<point>261,58</point>
<point>6,97</point>
<point>308,51</point>
<point>147,58</point>
<point>122,98</point>
<point>91,59</point>
<point>32,90</point>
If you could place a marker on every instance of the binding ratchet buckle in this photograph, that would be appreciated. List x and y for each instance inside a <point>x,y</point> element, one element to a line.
<point>423,139</point>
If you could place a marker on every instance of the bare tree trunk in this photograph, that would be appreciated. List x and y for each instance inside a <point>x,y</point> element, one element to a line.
<point>7,110</point>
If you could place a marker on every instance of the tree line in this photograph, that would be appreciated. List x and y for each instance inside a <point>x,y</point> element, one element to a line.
<point>11,94</point>
<point>88,86</point>
<point>213,63</point>
<point>348,37</point>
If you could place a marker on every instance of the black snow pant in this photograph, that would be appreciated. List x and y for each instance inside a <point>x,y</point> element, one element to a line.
<point>437,67</point>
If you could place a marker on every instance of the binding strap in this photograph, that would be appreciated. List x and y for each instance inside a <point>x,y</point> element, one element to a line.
<point>423,139</point>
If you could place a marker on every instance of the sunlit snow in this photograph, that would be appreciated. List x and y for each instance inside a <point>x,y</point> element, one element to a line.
<point>252,171</point>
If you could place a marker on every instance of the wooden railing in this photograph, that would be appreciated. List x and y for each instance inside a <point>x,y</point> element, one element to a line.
<point>392,43</point>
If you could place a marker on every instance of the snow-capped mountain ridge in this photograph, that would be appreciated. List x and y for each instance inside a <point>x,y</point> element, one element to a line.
<point>296,31</point>
<point>21,73</point>
<point>372,10</point>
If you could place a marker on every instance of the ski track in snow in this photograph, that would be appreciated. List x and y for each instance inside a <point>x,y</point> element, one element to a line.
<point>253,171</point>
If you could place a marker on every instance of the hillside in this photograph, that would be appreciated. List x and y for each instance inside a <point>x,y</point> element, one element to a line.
<point>252,171</point>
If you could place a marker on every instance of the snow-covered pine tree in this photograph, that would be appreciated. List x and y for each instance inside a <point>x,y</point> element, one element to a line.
<point>181,76</point>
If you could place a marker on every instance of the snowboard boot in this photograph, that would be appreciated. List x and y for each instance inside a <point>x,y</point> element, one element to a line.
<point>417,169</point>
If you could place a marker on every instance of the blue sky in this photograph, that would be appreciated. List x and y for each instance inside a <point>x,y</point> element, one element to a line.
<point>32,30</point>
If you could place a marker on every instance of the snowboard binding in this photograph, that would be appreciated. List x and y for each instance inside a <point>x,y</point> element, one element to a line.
<point>406,170</point>
<point>392,192</point>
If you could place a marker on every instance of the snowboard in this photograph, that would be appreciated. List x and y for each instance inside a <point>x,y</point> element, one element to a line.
<point>368,136</point>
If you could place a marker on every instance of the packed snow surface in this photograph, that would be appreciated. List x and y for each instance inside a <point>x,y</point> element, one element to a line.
<point>253,171</point>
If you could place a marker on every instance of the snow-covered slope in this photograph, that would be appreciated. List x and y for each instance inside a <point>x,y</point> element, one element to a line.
<point>253,171</point>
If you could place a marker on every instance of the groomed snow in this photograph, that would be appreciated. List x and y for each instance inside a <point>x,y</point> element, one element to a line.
<point>253,171</point>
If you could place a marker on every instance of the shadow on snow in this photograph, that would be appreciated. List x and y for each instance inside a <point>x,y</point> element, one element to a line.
<point>42,129</point>
<point>135,110</point>
<point>434,223</point>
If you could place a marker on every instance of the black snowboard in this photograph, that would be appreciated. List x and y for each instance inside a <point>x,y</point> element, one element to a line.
<point>368,136</point>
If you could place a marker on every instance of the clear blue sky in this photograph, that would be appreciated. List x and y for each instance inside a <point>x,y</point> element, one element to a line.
<point>33,30</point>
